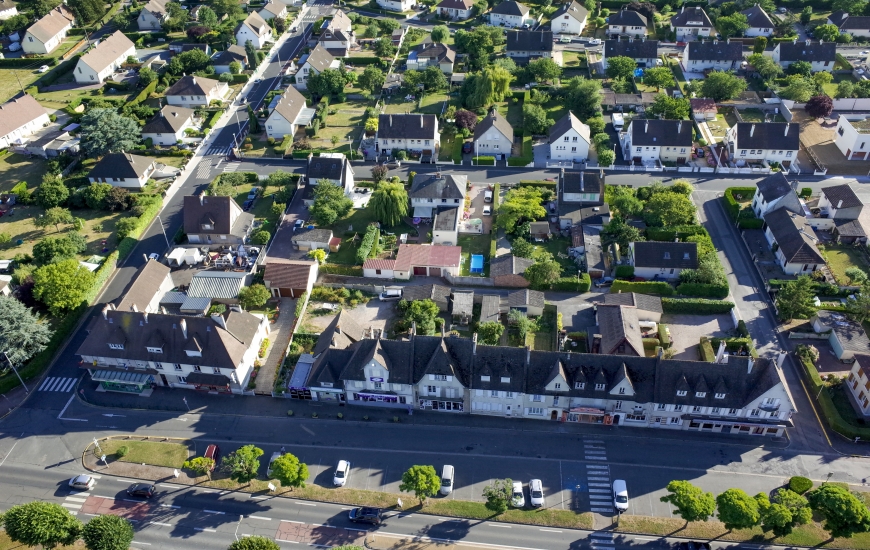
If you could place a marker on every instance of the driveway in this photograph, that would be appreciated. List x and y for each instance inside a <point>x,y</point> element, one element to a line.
<point>686,332</point>
<point>477,203</point>
<point>541,152</point>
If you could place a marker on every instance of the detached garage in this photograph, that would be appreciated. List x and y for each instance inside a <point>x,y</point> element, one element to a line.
<point>290,279</point>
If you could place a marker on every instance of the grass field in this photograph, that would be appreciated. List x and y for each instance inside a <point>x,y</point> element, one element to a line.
<point>349,113</point>
<point>13,80</point>
<point>474,244</point>
<point>757,115</point>
<point>398,106</point>
<point>841,258</point>
<point>7,544</point>
<point>433,104</point>
<point>15,168</point>
<point>170,455</point>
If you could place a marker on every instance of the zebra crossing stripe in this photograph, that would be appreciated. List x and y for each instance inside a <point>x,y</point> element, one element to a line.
<point>602,510</point>
<point>599,485</point>
<point>598,478</point>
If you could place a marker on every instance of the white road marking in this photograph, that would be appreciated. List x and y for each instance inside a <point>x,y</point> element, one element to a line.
<point>644,538</point>
<point>145,543</point>
<point>213,512</point>
<point>169,506</point>
<point>602,510</point>
<point>126,481</point>
<point>306,504</point>
<point>290,541</point>
<point>206,530</point>
<point>596,467</point>
<point>71,506</point>
<point>599,485</point>
<point>172,486</point>
<point>596,457</point>
<point>599,490</point>
<point>497,525</point>
<point>260,517</point>
<point>550,530</point>
<point>291,521</point>
<point>158,523</point>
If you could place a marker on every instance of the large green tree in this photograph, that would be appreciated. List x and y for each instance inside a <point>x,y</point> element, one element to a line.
<point>330,203</point>
<point>207,17</point>
<point>41,523</point>
<point>544,272</point>
<point>62,286</point>
<point>372,79</point>
<point>105,131</point>
<point>853,7</point>
<point>535,119</point>
<point>520,204</point>
<point>242,464</point>
<point>732,25</point>
<point>765,66</point>
<point>254,296</point>
<point>255,542</point>
<point>721,86</point>
<point>421,312</point>
<point>620,66</point>
<point>691,502</point>
<point>327,82</point>
<point>440,34</point>
<point>844,514</point>
<point>544,69</point>
<point>477,44</point>
<point>488,87</point>
<point>423,481</point>
<point>583,97</point>
<point>55,249</point>
<point>795,299</point>
<point>799,88</point>
<point>384,47</point>
<point>108,533</point>
<point>55,216</point>
<point>490,332</point>
<point>389,203</point>
<point>783,512</point>
<point>87,11</point>
<point>660,77</point>
<point>289,471</point>
<point>737,510</point>
<point>669,209</point>
<point>671,108</point>
<point>188,62</point>
<point>22,333</point>
<point>827,32</point>
<point>52,192</point>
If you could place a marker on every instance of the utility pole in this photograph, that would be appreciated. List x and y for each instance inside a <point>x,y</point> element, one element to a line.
<point>16,372</point>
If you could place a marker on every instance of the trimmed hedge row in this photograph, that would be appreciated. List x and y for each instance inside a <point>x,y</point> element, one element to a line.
<point>669,234</point>
<point>241,78</point>
<point>53,75</point>
<point>128,243</point>
<point>359,61</point>
<point>347,270</point>
<point>732,344</point>
<point>484,161</point>
<point>731,205</point>
<point>706,350</point>
<point>750,223</point>
<point>213,120</point>
<point>27,62</point>
<point>537,183</point>
<point>833,417</point>
<point>571,284</point>
<point>624,271</point>
<point>820,289</point>
<point>649,287</point>
<point>696,306</point>
<point>143,95</point>
<point>705,290</point>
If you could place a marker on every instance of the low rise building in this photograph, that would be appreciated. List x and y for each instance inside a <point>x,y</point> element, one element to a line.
<point>525,46</point>
<point>759,22</point>
<point>290,113</point>
<point>822,55</point>
<point>858,383</point>
<point>691,23</point>
<point>123,170</point>
<point>493,136</point>
<point>217,221</point>
<point>150,284</point>
<point>45,35</point>
<point>530,302</point>
<point>775,191</point>
<point>221,60</point>
<point>419,260</point>
<point>656,260</point>
<point>290,279</point>
<point>712,56</point>
<point>703,109</point>
<point>255,30</point>
<point>627,23</point>
<point>847,337</point>
<point>508,270</point>
<point>432,54</point>
<point>616,332</point>
<point>510,14</point>
<point>648,307</point>
<point>648,141</point>
<point>152,16</point>
<point>852,138</point>
<point>570,18</point>
<point>20,119</point>
<point>750,142</point>
<point>196,91</point>
<point>414,133</point>
<point>793,242</point>
<point>337,36</point>
<point>315,63</point>
<point>396,5</point>
<point>455,9</point>
<point>274,9</point>
<point>855,25</point>
<point>569,139</point>
<point>333,168</point>
<point>643,52</point>
<point>168,125</point>
<point>102,61</point>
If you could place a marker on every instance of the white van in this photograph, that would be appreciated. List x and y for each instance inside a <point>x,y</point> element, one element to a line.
<point>620,495</point>
<point>618,121</point>
<point>391,294</point>
<point>536,493</point>
<point>341,473</point>
<point>487,196</point>
<point>446,479</point>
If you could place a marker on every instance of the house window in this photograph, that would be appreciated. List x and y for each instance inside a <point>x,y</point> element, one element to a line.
<point>579,385</point>
<point>674,420</point>
<point>621,391</point>
<point>660,406</point>
<point>639,149</point>
<point>215,370</point>
<point>573,149</point>
<point>116,346</point>
<point>505,380</point>
<point>158,366</point>
<point>840,130</point>
<point>484,378</point>
<point>555,401</point>
<point>732,411</point>
<point>719,396</point>
<point>678,408</point>
<point>378,385</point>
<point>441,377</point>
<point>431,390</point>
<point>509,394</point>
<point>177,366</point>
<point>788,153</point>
<point>700,394</point>
<point>566,138</point>
<point>599,387</point>
<point>196,368</point>
<point>618,405</point>
<point>754,412</point>
<point>182,379</point>
<point>681,393</point>
<point>743,152</point>
<point>155,350</point>
<point>537,398</point>
<point>493,393</point>
<point>696,409</point>
<point>426,142</point>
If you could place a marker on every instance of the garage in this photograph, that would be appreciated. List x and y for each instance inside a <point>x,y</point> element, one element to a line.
<point>289,279</point>
<point>420,271</point>
<point>284,292</point>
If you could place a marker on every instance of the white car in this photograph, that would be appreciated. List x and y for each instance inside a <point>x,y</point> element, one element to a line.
<point>342,471</point>
<point>271,460</point>
<point>487,210</point>
<point>536,493</point>
<point>82,482</point>
<point>518,500</point>
<point>595,42</point>
<point>154,256</point>
<point>43,69</point>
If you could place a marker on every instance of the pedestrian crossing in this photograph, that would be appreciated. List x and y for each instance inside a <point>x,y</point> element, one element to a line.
<point>74,502</point>
<point>602,540</point>
<point>598,477</point>
<point>203,170</point>
<point>58,383</point>
<point>232,166</point>
<point>219,150</point>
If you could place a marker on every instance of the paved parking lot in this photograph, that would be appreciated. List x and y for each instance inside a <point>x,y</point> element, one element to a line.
<point>477,203</point>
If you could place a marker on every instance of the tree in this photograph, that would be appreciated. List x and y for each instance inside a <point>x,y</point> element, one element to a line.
<point>721,86</point>
<point>87,11</point>
<point>544,272</point>
<point>489,87</point>
<point>62,286</point>
<point>858,308</point>
<point>806,15</point>
<point>327,82</point>
<point>856,275</point>
<point>785,510</point>
<point>819,106</point>
<point>108,533</point>
<point>795,299</point>
<point>188,62</point>
<point>732,25</point>
<point>583,97</point>
<point>384,47</point>
<point>799,88</point>
<point>522,248</point>
<point>242,465</point>
<point>544,69</point>
<point>42,523</point>
<point>379,172</point>
<point>691,502</point>
<point>535,119</point>
<point>620,66</point>
<point>372,79</point>
<point>625,202</point>
<point>423,481</point>
<point>520,204</point>
<point>201,465</point>
<point>477,44</point>
<point>440,34</point>
<point>765,66</point>
<point>489,333</point>
<point>606,158</point>
<point>737,510</point>
<point>117,198</point>
<point>54,249</point>
<point>52,192</point>
<point>207,17</point>
<point>760,44</point>
<point>330,203</point>
<point>147,76</point>
<point>289,471</point>
<point>255,542</point>
<point>498,495</point>
<point>660,77</point>
<point>465,120</point>
<point>619,232</point>
<point>844,514</point>
<point>669,209</point>
<point>520,322</point>
<point>421,312</point>
<point>671,108</point>
<point>104,131</point>
<point>802,68</point>
<point>54,216</point>
<point>22,334</point>
<point>827,32</point>
<point>254,296</point>
<point>389,203</point>
<point>856,7</point>
<point>251,53</point>
<point>235,67</point>
<point>318,255</point>
<point>682,187</point>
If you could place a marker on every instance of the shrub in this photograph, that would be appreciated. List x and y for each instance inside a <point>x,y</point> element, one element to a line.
<point>706,350</point>
<point>701,289</point>
<point>663,336</point>
<point>624,271</point>
<point>656,288</point>
<point>484,161</point>
<point>806,193</point>
<point>369,241</point>
<point>651,343</point>
<point>732,206</point>
<point>741,329</point>
<point>697,306</point>
<point>122,451</point>
<point>800,485</point>
<point>572,284</point>
<point>681,232</point>
<point>289,412</point>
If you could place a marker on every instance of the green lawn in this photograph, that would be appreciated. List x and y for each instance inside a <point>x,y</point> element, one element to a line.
<point>556,246</point>
<point>451,148</point>
<point>13,80</point>
<point>15,168</point>
<point>357,221</point>
<point>433,104</point>
<point>474,244</point>
<point>831,89</point>
<point>170,455</point>
<point>398,106</point>
<point>349,113</point>
<point>757,115</point>
<point>841,258</point>
<point>719,126</point>
<point>555,108</point>
<point>346,254</point>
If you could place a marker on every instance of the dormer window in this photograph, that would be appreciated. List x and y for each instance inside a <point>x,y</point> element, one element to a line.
<point>685,255</point>
<point>505,379</point>
<point>700,394</point>
<point>667,255</point>
<point>558,386</point>
<point>326,384</point>
<point>484,378</point>
<point>719,396</point>
<point>207,226</point>
<point>441,377</point>
<point>193,353</point>
<point>681,393</point>
<point>116,346</point>
<point>154,350</point>
<point>599,387</point>
<point>579,385</point>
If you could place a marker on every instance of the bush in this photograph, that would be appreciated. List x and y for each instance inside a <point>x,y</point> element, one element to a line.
<point>750,223</point>
<point>289,412</point>
<point>706,350</point>
<point>741,329</point>
<point>484,161</point>
<point>369,241</point>
<point>663,336</point>
<point>731,204</point>
<point>655,288</point>
<point>701,289</point>
<point>572,284</point>
<point>681,232</point>
<point>799,484</point>
<point>624,271</point>
<point>122,451</point>
<point>651,343</point>
<point>806,193</point>
<point>696,306</point>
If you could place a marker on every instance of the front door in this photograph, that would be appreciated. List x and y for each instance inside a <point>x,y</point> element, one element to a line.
<point>553,415</point>
<point>163,379</point>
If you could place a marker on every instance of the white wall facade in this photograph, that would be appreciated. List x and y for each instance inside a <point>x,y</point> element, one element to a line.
<point>511,21</point>
<point>166,138</point>
<point>492,143</point>
<point>396,5</point>
<point>376,383</point>
<point>26,130</point>
<point>627,29</point>
<point>567,24</point>
<point>752,32</point>
<point>690,33</point>
<point>148,21</point>
<point>441,392</point>
<point>31,44</point>
<point>245,35</point>
<point>570,146</point>
<point>853,144</point>
<point>85,74</point>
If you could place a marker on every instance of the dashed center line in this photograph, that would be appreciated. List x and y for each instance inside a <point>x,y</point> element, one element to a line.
<point>260,517</point>
<point>203,529</point>
<point>550,530</point>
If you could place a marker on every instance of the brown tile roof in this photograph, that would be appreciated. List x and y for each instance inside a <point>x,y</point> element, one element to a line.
<point>208,209</point>
<point>411,255</point>
<point>288,274</point>
<point>192,85</point>
<point>385,265</point>
<point>145,285</point>
<point>703,105</point>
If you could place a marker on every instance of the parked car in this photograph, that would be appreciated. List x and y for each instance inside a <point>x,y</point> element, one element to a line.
<point>298,224</point>
<point>393,164</point>
<point>536,493</point>
<point>271,460</point>
<point>595,42</point>
<point>694,545</point>
<point>467,147</point>
<point>366,514</point>
<point>43,69</point>
<point>620,495</point>
<point>391,294</point>
<point>342,471</point>
<point>142,490</point>
<point>154,256</point>
<point>604,281</point>
<point>82,482</point>
<point>487,210</point>
<point>518,500</point>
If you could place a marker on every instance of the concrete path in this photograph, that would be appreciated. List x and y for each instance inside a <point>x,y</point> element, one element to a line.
<point>279,338</point>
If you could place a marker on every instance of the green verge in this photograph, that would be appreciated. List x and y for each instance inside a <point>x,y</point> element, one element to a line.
<point>170,455</point>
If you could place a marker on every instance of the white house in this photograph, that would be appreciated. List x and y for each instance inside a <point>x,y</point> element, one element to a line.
<point>570,139</point>
<point>152,16</point>
<point>643,52</point>
<point>337,34</point>
<point>334,168</point>
<point>493,136</point>
<point>859,382</point>
<point>429,192</point>
<point>627,23</point>
<point>455,9</point>
<point>748,142</point>
<point>123,170</point>
<point>168,125</point>
<point>254,30</point>
<point>315,63</point>
<point>20,118</point>
<point>7,10</point>
<point>774,192</point>
<point>431,54</point>
<point>662,260</point>
<point>794,242</point>
<point>822,56</point>
<point>852,138</point>
<point>101,62</point>
<point>717,55</point>
<point>691,23</point>
<point>196,91</point>
<point>647,141</point>
<point>290,113</point>
<point>221,60</point>
<point>419,260</point>
<point>396,5</point>
<point>759,22</point>
<point>510,14</point>
<point>46,34</point>
<point>274,9</point>
<point>570,18</point>
<point>415,133</point>
<point>838,205</point>
<point>856,25</point>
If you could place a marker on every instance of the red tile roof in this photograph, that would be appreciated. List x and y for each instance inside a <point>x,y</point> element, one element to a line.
<point>287,274</point>
<point>384,265</point>
<point>411,255</point>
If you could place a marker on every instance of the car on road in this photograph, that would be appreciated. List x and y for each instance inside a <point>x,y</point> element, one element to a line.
<point>366,514</point>
<point>518,500</point>
<point>604,281</point>
<point>82,482</point>
<point>258,81</point>
<point>865,52</point>
<point>298,225</point>
<point>466,147</point>
<point>487,210</point>
<point>595,42</point>
<point>142,490</point>
<point>43,69</point>
<point>536,493</point>
<point>271,460</point>
<point>342,471</point>
<point>393,164</point>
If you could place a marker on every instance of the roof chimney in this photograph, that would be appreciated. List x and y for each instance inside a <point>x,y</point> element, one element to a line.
<point>786,129</point>
<point>840,203</point>
<point>646,126</point>
<point>795,41</point>
<point>752,130</point>
<point>413,331</point>
<point>145,316</point>
<point>749,365</point>
<point>528,355</point>
<point>106,312</point>
<point>184,328</point>
<point>421,121</point>
<point>391,120</point>
<point>474,344</point>
<point>219,319</point>
<point>679,126</point>
<point>134,308</point>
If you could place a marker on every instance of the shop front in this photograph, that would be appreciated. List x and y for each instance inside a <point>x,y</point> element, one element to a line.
<point>123,381</point>
<point>443,404</point>
<point>385,399</point>
<point>744,426</point>
<point>586,415</point>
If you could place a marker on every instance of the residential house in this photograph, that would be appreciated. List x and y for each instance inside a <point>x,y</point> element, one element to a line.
<point>455,9</point>
<point>774,192</point>
<point>102,61</point>
<point>856,25</point>
<point>648,141</point>
<point>578,190</point>
<point>414,133</point>
<point>643,52</point>
<point>221,60</point>
<point>432,191</point>
<point>525,46</point>
<point>215,220</point>
<point>703,109</point>
<point>334,168</point>
<point>7,10</point>
<point>494,136</point>
<point>47,34</point>
<point>859,383</point>
<point>274,9</point>
<point>289,114</point>
<point>123,170</point>
<point>255,30</point>
<point>398,36</point>
<point>616,331</point>
<point>530,302</point>
<point>419,260</point>
<point>539,230</point>
<point>822,56</point>
<point>570,139</point>
<point>510,14</point>
<point>627,23</point>
<point>168,125</point>
<point>290,279</point>
<point>149,285</point>
<point>852,138</point>
<point>570,18</point>
<point>52,143</point>
<point>691,23</point>
<point>439,294</point>
<point>312,238</point>
<point>662,260</point>
<point>750,142</point>
<point>838,210</point>
<point>648,307</point>
<point>337,36</point>
<point>712,56</point>
<point>442,381</point>
<point>793,242</point>
<point>196,91</point>
<point>759,22</point>
<point>612,101</point>
<point>508,270</point>
<point>396,5</point>
<point>315,63</point>
<point>129,351</point>
<point>21,118</point>
<point>153,15</point>
<point>445,225</point>
<point>431,54</point>
<point>461,306</point>
<point>847,337</point>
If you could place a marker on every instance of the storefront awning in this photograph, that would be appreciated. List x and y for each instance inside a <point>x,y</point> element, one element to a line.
<point>205,379</point>
<point>422,212</point>
<point>125,377</point>
<point>587,410</point>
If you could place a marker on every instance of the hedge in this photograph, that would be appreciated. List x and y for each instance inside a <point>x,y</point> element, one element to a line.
<point>732,344</point>
<point>143,95</point>
<point>128,243</point>
<point>732,207</point>
<point>241,78</point>
<point>150,36</point>
<point>213,120</point>
<point>663,336</point>
<point>496,190</point>
<point>369,242</point>
<point>819,289</point>
<point>484,161</point>
<point>51,76</point>
<point>681,232</point>
<point>538,183</point>
<point>750,223</point>
<point>695,306</point>
<point>833,417</point>
<point>27,62</point>
<point>359,61</point>
<point>655,288</point>
<point>571,284</point>
<point>624,271</point>
<point>528,156</point>
<point>741,329</point>
<point>347,270</point>
<point>701,289</point>
<point>650,343</point>
<point>706,350</point>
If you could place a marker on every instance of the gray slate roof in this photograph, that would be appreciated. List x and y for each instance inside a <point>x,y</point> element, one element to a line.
<point>577,181</point>
<point>850,334</point>
<point>494,119</point>
<point>718,51</point>
<point>170,119</point>
<point>801,51</point>
<point>441,53</point>
<point>627,18</point>
<point>509,265</point>
<point>640,301</point>
<point>666,254</point>
<point>794,235</point>
<point>320,58</point>
<point>490,308</point>
<point>445,219</point>
<point>769,135</point>
<point>192,85</point>
<point>438,186</point>
<point>407,126</point>
<point>510,7</point>
<point>525,297</point>
<point>574,10</point>
<point>437,293</point>
<point>232,53</point>
<point>532,41</point>
<point>661,133</point>
<point>312,236</point>
<point>847,22</point>
<point>617,325</point>
<point>691,17</point>
<point>774,186</point>
<point>223,285</point>
<point>568,122</point>
<point>849,228</point>
<point>757,18</point>
<point>326,168</point>
<point>635,49</point>
<point>462,302</point>
<point>121,165</point>
<point>844,192</point>
<point>208,209</point>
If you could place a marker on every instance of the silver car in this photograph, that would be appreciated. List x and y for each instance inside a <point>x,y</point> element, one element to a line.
<point>82,482</point>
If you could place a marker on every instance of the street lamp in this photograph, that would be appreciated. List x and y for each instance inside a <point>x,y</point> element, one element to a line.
<point>164,231</point>
<point>16,372</point>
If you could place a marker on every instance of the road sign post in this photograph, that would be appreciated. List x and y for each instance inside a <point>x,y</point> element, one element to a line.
<point>103,458</point>
<point>399,502</point>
